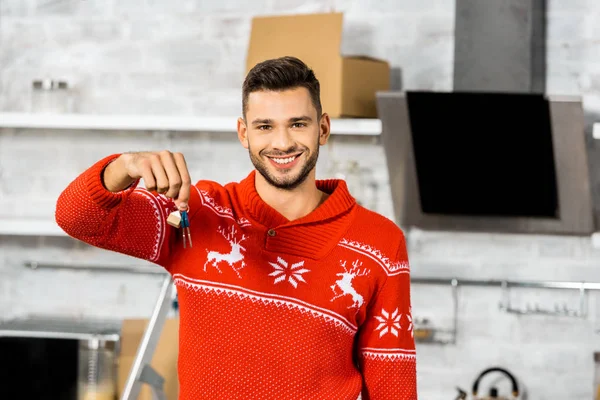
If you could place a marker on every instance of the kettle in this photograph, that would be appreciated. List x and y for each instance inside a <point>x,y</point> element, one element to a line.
<point>493,393</point>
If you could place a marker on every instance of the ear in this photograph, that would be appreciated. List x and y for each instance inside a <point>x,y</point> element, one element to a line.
<point>324,129</point>
<point>242,131</point>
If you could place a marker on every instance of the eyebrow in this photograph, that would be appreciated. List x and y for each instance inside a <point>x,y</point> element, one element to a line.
<point>291,120</point>
<point>262,121</point>
<point>302,118</point>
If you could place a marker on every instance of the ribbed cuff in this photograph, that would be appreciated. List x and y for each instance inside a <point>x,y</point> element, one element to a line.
<point>99,194</point>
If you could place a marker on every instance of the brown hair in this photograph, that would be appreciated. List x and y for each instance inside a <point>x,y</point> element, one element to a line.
<point>281,74</point>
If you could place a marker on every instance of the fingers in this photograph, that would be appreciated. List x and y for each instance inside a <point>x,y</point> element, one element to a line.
<point>158,169</point>
<point>183,196</point>
<point>171,173</point>
<point>143,168</point>
<point>166,173</point>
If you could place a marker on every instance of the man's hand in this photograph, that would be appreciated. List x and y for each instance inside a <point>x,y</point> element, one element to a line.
<point>163,172</point>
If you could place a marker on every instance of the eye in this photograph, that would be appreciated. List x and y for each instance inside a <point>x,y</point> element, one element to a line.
<point>264,127</point>
<point>298,125</point>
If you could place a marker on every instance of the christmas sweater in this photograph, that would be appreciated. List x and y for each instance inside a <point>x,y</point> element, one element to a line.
<point>315,308</point>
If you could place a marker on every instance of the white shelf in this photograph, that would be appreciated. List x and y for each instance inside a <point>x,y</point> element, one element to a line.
<point>345,126</point>
<point>30,227</point>
<point>596,131</point>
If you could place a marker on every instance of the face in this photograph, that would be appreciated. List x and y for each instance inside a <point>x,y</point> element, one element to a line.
<point>282,134</point>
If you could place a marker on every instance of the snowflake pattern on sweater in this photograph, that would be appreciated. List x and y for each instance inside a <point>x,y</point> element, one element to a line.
<point>286,272</point>
<point>269,308</point>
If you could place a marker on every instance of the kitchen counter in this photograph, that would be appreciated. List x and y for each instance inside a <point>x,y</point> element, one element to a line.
<point>61,328</point>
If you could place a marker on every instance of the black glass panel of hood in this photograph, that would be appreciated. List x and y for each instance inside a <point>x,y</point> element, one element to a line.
<point>483,154</point>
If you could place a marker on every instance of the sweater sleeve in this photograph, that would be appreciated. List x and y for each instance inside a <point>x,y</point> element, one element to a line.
<point>131,222</point>
<point>386,346</point>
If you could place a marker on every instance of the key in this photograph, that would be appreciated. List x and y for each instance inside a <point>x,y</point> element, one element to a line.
<point>180,219</point>
<point>185,227</point>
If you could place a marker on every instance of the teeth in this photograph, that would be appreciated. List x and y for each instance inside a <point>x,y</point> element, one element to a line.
<point>283,160</point>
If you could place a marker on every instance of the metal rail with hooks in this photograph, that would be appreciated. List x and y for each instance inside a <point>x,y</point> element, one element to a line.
<point>509,283</point>
<point>505,304</point>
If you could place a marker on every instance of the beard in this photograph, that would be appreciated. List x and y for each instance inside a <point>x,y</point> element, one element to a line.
<point>290,180</point>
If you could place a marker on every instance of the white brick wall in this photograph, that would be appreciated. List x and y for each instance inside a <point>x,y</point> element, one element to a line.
<point>187,57</point>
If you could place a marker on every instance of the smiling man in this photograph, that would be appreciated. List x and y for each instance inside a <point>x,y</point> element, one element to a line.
<point>285,176</point>
<point>292,290</point>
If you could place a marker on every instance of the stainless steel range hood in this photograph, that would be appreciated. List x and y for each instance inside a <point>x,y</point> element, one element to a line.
<point>574,214</point>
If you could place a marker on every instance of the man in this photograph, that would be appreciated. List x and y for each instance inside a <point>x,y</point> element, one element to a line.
<point>291,289</point>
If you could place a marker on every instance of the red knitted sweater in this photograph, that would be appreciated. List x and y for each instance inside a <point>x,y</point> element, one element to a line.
<point>316,308</point>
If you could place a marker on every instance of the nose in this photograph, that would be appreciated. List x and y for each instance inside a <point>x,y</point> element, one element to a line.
<point>282,139</point>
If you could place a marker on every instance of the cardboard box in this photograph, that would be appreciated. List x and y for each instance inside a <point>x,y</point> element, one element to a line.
<point>164,360</point>
<point>348,83</point>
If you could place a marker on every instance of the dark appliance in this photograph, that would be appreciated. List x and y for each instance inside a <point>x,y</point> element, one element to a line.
<point>498,162</point>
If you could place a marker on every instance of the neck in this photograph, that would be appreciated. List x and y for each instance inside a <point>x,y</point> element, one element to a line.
<point>291,203</point>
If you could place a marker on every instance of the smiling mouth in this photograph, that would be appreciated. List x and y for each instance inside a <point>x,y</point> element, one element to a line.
<point>285,162</point>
